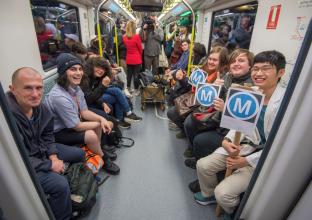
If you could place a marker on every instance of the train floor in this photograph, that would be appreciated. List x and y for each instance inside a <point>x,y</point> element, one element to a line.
<point>153,182</point>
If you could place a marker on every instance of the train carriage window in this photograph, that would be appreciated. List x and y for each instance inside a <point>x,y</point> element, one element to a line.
<point>233,27</point>
<point>57,27</point>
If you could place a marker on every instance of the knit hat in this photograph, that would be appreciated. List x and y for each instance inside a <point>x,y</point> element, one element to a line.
<point>65,61</point>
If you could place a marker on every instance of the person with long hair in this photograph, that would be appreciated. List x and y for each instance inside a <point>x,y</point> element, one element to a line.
<point>133,45</point>
<point>74,123</point>
<point>101,93</point>
<point>214,65</point>
<point>204,141</point>
<point>239,65</point>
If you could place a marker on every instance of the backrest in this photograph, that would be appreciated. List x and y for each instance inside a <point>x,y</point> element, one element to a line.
<point>48,83</point>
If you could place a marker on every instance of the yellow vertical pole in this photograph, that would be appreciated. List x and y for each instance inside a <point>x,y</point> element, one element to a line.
<point>192,38</point>
<point>116,43</point>
<point>98,26</point>
<point>189,66</point>
<point>99,39</point>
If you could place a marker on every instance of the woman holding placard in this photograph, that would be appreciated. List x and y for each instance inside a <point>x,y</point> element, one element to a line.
<point>205,139</point>
<point>214,65</point>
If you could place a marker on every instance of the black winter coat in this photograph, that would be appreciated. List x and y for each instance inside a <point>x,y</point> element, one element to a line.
<point>93,90</point>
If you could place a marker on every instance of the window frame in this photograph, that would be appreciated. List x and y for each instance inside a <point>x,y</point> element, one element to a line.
<point>47,4</point>
<point>213,18</point>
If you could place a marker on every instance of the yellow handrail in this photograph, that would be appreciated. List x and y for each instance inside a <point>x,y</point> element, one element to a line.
<point>116,44</point>
<point>115,37</point>
<point>98,26</point>
<point>192,39</point>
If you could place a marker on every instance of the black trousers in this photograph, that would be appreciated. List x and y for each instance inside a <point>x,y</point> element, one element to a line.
<point>132,72</point>
<point>56,185</point>
<point>206,143</point>
<point>175,117</point>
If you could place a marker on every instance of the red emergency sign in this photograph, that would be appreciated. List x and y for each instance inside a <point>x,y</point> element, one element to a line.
<point>273,16</point>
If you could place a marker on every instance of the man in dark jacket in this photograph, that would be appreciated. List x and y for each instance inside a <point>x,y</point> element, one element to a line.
<point>35,124</point>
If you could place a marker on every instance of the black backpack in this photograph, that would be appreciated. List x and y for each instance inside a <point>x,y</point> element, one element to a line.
<point>115,138</point>
<point>83,187</point>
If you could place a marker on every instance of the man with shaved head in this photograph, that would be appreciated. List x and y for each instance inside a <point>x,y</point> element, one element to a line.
<point>35,124</point>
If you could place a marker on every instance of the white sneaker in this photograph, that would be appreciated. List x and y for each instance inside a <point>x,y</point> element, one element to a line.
<point>127,93</point>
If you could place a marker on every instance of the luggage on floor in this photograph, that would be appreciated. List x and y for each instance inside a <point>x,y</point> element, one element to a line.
<point>153,93</point>
<point>83,188</point>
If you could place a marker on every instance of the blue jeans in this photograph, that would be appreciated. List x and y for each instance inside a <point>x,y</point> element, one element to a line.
<point>56,185</point>
<point>114,96</point>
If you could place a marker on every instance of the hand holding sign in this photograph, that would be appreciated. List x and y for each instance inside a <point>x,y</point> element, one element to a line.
<point>206,94</point>
<point>197,76</point>
<point>242,110</point>
<point>232,149</point>
<point>218,104</point>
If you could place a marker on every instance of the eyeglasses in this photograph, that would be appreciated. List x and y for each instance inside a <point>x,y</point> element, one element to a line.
<point>263,69</point>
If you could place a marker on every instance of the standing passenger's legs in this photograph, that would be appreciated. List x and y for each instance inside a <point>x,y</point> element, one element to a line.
<point>129,75</point>
<point>155,64</point>
<point>136,71</point>
<point>148,62</point>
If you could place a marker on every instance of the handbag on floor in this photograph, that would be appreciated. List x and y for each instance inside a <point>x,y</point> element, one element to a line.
<point>115,138</point>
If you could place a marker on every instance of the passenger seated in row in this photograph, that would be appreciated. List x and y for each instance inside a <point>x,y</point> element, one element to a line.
<point>35,124</point>
<point>269,67</point>
<point>204,141</point>
<point>74,123</point>
<point>216,63</point>
<point>183,60</point>
<point>99,91</point>
<point>179,86</point>
<point>119,72</point>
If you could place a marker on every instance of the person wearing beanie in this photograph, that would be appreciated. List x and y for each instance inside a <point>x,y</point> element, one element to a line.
<point>74,124</point>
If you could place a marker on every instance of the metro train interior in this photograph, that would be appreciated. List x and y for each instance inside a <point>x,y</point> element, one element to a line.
<point>166,172</point>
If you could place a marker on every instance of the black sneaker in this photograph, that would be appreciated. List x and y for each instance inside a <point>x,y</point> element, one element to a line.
<point>109,148</point>
<point>124,124</point>
<point>110,167</point>
<point>194,186</point>
<point>132,118</point>
<point>111,155</point>
<point>191,163</point>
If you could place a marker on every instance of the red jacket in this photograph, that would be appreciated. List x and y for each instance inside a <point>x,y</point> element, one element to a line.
<point>134,49</point>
